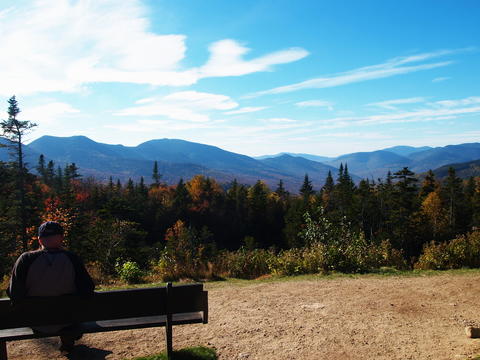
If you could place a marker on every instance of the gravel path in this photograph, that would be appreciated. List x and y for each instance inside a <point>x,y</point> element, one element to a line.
<point>343,318</point>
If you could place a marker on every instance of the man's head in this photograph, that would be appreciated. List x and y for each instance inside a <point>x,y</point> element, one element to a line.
<point>50,235</point>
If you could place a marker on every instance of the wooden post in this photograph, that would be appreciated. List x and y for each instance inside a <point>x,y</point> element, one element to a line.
<point>3,350</point>
<point>168,326</point>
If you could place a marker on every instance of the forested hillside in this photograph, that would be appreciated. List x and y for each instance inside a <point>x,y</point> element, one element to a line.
<point>241,230</point>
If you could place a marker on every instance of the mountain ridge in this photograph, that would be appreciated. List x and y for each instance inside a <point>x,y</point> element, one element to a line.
<point>183,159</point>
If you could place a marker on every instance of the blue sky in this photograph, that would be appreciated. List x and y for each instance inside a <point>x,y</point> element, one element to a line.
<point>253,77</point>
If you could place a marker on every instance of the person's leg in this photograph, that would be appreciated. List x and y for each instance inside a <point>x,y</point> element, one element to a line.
<point>67,340</point>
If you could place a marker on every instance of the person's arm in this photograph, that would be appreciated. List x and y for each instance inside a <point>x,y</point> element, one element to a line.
<point>17,289</point>
<point>83,281</point>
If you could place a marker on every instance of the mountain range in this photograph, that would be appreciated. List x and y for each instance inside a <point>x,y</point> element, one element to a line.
<point>183,159</point>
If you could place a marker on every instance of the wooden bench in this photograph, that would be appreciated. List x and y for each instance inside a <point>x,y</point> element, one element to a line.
<point>105,311</point>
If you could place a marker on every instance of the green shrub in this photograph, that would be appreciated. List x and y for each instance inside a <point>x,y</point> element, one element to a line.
<point>243,263</point>
<point>463,251</point>
<point>336,247</point>
<point>129,272</point>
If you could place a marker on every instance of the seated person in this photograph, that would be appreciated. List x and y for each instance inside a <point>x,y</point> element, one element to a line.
<point>50,271</point>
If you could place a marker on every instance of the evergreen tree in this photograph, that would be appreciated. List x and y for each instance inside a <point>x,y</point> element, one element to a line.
<point>155,175</point>
<point>344,193</point>
<point>405,204</point>
<point>429,184</point>
<point>41,169</point>
<point>454,200</point>
<point>307,189</point>
<point>326,193</point>
<point>280,191</point>
<point>181,200</point>
<point>50,173</point>
<point>14,130</point>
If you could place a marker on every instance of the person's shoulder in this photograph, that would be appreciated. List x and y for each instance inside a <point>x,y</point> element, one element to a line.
<point>29,256</point>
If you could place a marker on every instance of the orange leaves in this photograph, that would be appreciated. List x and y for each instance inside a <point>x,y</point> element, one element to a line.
<point>203,192</point>
<point>54,212</point>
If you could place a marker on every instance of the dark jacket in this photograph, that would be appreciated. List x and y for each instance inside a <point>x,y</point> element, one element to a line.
<point>49,273</point>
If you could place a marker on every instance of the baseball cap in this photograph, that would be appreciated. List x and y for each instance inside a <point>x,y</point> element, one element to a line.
<point>50,228</point>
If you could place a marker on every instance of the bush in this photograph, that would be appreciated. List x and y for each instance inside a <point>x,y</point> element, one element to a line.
<point>243,263</point>
<point>129,272</point>
<point>336,247</point>
<point>463,251</point>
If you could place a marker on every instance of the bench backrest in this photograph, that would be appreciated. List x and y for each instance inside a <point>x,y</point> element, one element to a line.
<point>105,305</point>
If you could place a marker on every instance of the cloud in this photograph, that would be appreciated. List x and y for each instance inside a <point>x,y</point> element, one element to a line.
<point>437,111</point>
<point>440,79</point>
<point>226,60</point>
<point>472,100</point>
<point>185,105</point>
<point>392,67</point>
<point>389,104</point>
<point>316,103</point>
<point>63,45</point>
<point>280,120</point>
<point>48,114</point>
<point>245,110</point>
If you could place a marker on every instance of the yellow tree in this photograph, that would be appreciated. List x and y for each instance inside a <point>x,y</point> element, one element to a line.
<point>437,216</point>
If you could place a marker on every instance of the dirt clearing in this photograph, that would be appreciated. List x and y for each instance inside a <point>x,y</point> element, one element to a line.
<point>343,318</point>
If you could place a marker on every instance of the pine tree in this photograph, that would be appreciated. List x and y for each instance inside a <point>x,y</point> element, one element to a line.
<point>280,191</point>
<point>307,189</point>
<point>41,169</point>
<point>429,184</point>
<point>454,200</point>
<point>14,130</point>
<point>155,175</point>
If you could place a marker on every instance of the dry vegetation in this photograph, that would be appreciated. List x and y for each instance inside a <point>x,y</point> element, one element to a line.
<point>362,317</point>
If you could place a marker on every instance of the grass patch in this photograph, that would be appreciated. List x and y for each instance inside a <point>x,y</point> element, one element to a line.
<point>380,273</point>
<point>192,353</point>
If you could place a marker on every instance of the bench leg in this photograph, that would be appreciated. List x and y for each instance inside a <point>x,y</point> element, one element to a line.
<point>168,333</point>
<point>168,325</point>
<point>3,350</point>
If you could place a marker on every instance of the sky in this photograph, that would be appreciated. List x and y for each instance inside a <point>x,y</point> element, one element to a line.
<point>254,77</point>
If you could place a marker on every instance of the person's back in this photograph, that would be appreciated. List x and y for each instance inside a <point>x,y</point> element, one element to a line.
<point>50,271</point>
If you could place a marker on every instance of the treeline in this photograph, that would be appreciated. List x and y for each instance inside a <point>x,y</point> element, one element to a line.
<point>236,229</point>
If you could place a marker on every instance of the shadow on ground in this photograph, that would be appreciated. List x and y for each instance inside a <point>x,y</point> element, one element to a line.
<point>81,352</point>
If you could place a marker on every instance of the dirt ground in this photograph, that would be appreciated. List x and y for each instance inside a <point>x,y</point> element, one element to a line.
<point>343,318</point>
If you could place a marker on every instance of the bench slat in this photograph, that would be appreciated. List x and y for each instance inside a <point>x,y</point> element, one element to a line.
<point>106,305</point>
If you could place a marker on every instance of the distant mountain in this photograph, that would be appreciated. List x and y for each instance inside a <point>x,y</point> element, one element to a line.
<point>183,159</point>
<point>30,155</point>
<point>176,158</point>
<point>372,165</point>
<point>462,170</point>
<point>305,156</point>
<point>406,150</point>
<point>317,172</point>
<point>439,156</point>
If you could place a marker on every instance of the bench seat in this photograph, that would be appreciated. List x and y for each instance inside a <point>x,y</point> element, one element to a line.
<point>106,311</point>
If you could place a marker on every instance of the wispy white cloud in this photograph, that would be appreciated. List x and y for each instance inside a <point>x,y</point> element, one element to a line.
<point>280,120</point>
<point>391,104</point>
<point>316,103</point>
<point>472,100</point>
<point>440,79</point>
<point>185,105</point>
<point>246,110</point>
<point>63,45</point>
<point>392,67</point>
<point>47,114</point>
<point>226,59</point>
<point>436,111</point>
